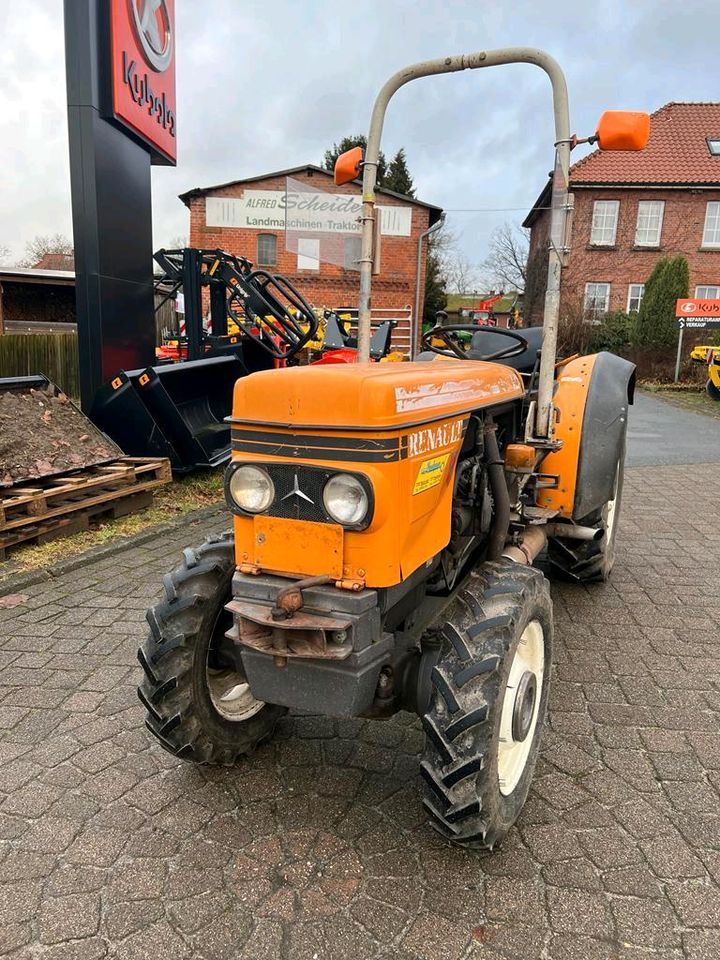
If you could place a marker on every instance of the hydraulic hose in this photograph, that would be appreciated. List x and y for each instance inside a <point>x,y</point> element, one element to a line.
<point>496,477</point>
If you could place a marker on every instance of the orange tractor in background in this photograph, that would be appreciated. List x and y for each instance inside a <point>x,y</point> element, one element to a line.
<point>386,518</point>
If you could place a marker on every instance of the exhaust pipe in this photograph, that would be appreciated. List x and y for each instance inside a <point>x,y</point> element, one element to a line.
<point>571,531</point>
<point>534,538</point>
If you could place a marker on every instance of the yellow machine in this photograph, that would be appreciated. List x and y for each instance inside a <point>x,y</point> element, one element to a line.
<point>385,522</point>
<point>710,356</point>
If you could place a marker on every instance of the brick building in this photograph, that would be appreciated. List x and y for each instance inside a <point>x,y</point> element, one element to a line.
<point>298,223</point>
<point>631,209</point>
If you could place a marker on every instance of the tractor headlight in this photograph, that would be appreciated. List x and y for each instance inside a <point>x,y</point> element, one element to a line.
<point>251,489</point>
<point>345,499</point>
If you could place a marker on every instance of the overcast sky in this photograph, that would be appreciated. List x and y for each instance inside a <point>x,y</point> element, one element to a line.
<point>267,85</point>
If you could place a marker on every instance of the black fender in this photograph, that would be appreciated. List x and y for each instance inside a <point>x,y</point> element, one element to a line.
<point>604,428</point>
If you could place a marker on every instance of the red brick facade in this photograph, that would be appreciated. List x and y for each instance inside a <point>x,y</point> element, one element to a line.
<point>330,285</point>
<point>680,169</point>
<point>624,263</point>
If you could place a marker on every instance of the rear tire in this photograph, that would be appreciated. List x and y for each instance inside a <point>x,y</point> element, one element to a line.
<point>712,391</point>
<point>584,561</point>
<point>489,699</point>
<point>197,707</point>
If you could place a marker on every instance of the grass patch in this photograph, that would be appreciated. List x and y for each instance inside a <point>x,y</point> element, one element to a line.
<point>184,495</point>
<point>689,396</point>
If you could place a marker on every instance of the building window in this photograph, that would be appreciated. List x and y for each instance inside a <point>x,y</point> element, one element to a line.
<point>604,223</point>
<point>711,232</point>
<point>267,249</point>
<point>597,298</point>
<point>707,292</point>
<point>352,247</point>
<point>713,146</point>
<point>635,295</point>
<point>649,223</point>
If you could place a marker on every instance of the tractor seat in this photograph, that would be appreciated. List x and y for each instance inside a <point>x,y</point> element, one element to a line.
<point>488,342</point>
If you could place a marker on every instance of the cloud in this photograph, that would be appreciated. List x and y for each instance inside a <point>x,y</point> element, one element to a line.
<point>266,85</point>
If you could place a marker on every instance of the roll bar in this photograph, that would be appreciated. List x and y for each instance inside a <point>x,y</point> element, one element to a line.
<point>472,61</point>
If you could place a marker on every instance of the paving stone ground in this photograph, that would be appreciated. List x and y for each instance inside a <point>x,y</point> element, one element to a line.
<point>317,847</point>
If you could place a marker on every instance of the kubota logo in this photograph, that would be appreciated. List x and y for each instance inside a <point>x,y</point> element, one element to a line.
<point>153,28</point>
<point>688,308</point>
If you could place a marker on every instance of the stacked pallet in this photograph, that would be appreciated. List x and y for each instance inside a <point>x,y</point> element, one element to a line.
<point>61,505</point>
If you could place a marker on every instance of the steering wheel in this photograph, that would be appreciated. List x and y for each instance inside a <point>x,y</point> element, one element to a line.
<point>451,348</point>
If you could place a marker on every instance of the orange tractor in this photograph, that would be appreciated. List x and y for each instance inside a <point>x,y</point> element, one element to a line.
<point>385,522</point>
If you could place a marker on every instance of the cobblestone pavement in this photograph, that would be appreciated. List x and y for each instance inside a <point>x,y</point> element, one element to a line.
<point>317,847</point>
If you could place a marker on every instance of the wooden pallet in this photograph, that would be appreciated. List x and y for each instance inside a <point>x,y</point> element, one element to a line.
<point>60,506</point>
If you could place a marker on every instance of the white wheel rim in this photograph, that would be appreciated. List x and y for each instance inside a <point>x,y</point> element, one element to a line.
<point>610,511</point>
<point>231,695</point>
<point>513,754</point>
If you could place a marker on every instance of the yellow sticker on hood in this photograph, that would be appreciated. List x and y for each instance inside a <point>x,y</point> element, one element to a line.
<point>430,473</point>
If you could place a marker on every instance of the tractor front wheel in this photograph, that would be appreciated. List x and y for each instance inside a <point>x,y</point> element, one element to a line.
<point>198,705</point>
<point>712,390</point>
<point>489,697</point>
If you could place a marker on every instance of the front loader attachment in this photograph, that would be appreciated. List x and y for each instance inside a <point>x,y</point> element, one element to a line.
<point>176,411</point>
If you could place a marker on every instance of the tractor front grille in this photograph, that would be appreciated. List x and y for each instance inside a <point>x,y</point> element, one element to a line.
<point>299,492</point>
<point>288,503</point>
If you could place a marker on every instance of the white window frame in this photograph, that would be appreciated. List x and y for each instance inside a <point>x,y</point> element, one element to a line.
<point>638,296</point>
<point>642,207</point>
<point>603,228</point>
<point>594,310</point>
<point>711,234</point>
<point>706,287</point>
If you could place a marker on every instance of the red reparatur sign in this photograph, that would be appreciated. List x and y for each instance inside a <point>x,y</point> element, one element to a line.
<point>697,308</point>
<point>143,72</point>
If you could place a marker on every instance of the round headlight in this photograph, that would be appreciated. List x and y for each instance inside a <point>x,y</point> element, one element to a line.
<point>252,489</point>
<point>345,499</point>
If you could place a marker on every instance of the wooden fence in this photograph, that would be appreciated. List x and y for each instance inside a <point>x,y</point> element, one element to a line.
<point>54,354</point>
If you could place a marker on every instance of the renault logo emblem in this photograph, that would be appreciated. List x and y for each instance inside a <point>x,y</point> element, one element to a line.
<point>297,492</point>
<point>153,28</point>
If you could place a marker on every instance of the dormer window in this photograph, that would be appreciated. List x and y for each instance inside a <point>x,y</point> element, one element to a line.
<point>713,146</point>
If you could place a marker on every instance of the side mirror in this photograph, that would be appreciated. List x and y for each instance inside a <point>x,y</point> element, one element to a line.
<point>347,166</point>
<point>623,130</point>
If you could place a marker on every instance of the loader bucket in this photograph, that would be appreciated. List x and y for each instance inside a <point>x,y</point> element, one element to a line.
<point>43,434</point>
<point>175,410</point>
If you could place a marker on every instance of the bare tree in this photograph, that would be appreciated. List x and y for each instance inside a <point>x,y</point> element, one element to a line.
<point>506,264</point>
<point>461,275</point>
<point>37,248</point>
<point>4,253</point>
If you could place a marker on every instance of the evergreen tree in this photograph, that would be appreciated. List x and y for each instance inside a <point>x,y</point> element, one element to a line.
<point>398,176</point>
<point>435,286</point>
<point>656,324</point>
<point>347,143</point>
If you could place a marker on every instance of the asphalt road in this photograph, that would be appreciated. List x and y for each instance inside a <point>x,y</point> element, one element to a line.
<point>662,434</point>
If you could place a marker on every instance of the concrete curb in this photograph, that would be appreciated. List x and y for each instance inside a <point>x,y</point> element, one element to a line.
<point>27,578</point>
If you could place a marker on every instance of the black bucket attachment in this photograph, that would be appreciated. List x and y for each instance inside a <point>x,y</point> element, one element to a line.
<point>176,411</point>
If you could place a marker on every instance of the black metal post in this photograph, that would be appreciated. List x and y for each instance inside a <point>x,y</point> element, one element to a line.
<point>192,293</point>
<point>112,217</point>
<point>218,308</point>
